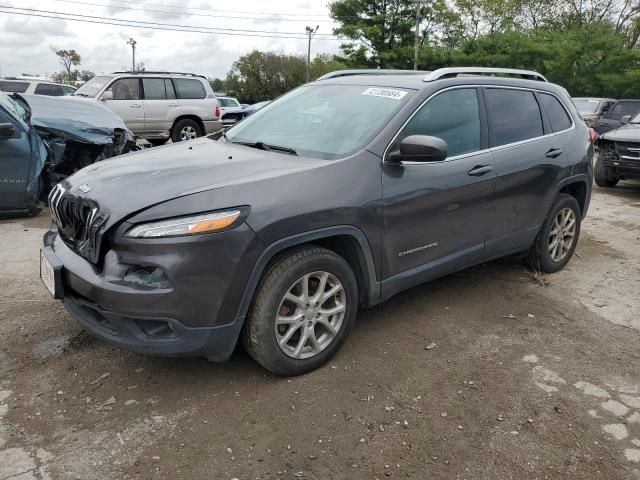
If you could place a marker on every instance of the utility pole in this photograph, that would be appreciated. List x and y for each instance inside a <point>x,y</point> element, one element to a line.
<point>133,43</point>
<point>310,33</point>
<point>416,45</point>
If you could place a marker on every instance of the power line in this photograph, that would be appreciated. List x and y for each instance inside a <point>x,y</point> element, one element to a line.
<point>152,25</point>
<point>164,5</point>
<point>185,12</point>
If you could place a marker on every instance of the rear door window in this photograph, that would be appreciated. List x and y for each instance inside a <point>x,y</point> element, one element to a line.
<point>14,87</point>
<point>189,89</point>
<point>171,93</point>
<point>453,116</point>
<point>514,116</point>
<point>621,109</point>
<point>154,89</point>
<point>557,115</point>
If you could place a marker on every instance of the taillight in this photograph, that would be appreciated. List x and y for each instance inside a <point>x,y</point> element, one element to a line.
<point>217,110</point>
<point>593,134</point>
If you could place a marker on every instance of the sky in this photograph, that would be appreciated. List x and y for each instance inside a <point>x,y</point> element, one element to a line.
<point>27,42</point>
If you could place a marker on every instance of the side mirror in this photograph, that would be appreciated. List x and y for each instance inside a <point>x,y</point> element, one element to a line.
<point>625,119</point>
<point>420,148</point>
<point>7,130</point>
<point>107,95</point>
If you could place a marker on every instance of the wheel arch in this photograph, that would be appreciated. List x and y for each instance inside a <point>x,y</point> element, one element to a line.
<point>578,187</point>
<point>347,241</point>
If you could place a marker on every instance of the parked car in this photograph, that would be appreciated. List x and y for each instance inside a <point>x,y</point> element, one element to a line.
<point>35,87</point>
<point>612,119</point>
<point>45,139</point>
<point>251,109</point>
<point>232,110</point>
<point>591,109</point>
<point>158,105</point>
<point>278,231</point>
<point>619,154</point>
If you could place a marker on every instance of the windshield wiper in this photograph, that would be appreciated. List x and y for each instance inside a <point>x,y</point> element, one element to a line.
<point>79,94</point>
<point>267,147</point>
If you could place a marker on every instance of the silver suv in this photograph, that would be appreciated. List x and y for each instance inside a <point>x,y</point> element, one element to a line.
<point>158,105</point>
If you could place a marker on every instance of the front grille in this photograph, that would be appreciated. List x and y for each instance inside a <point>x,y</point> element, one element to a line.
<point>628,151</point>
<point>79,221</point>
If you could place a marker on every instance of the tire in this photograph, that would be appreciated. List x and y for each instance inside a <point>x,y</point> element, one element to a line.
<point>603,176</point>
<point>547,256</point>
<point>185,129</point>
<point>264,332</point>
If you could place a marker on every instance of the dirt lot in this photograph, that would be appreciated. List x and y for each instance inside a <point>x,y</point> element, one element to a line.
<point>525,381</point>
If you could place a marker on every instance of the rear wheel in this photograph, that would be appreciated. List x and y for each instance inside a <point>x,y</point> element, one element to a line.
<point>185,129</point>
<point>303,311</point>
<point>557,240</point>
<point>603,175</point>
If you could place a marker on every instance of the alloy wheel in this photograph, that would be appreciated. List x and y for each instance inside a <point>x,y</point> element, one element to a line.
<point>188,133</point>
<point>310,315</point>
<point>562,234</point>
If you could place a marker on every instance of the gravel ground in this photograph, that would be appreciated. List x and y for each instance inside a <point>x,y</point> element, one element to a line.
<point>491,373</point>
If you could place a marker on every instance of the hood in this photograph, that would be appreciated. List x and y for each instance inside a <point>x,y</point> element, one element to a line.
<point>130,183</point>
<point>73,119</point>
<point>627,133</point>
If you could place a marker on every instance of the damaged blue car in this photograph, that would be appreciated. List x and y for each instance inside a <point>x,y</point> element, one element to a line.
<point>45,139</point>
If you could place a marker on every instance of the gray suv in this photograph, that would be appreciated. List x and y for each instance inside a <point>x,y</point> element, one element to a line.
<point>158,105</point>
<point>337,195</point>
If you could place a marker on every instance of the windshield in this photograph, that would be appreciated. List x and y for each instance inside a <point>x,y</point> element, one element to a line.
<point>322,121</point>
<point>635,119</point>
<point>92,87</point>
<point>227,102</point>
<point>16,109</point>
<point>586,105</point>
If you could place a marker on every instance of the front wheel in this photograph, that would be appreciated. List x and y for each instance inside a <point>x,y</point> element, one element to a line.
<point>557,240</point>
<point>185,129</point>
<point>303,311</point>
<point>603,176</point>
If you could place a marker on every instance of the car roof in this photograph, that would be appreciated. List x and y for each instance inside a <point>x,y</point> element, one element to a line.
<point>148,73</point>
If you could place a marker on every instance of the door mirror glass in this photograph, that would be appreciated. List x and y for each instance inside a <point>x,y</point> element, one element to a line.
<point>108,95</point>
<point>7,130</point>
<point>625,119</point>
<point>420,148</point>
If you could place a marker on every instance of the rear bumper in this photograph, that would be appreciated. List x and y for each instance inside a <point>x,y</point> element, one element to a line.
<point>212,126</point>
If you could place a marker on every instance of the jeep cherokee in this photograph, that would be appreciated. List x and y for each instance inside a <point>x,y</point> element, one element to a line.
<point>339,194</point>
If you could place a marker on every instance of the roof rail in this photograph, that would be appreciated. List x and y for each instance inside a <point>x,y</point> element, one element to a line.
<point>147,72</point>
<point>483,71</point>
<point>370,71</point>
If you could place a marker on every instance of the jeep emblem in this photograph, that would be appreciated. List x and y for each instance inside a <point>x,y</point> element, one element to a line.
<point>85,188</point>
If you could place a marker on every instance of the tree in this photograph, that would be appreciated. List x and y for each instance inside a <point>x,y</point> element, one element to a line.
<point>86,75</point>
<point>68,59</point>
<point>216,84</point>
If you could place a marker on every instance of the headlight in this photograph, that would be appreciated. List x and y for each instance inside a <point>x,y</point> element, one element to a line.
<point>191,225</point>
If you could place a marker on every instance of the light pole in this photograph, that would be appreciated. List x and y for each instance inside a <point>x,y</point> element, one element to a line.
<point>416,45</point>
<point>310,33</point>
<point>133,43</point>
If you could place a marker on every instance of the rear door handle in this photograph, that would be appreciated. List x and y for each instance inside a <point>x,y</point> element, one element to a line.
<point>135,106</point>
<point>173,104</point>
<point>479,170</point>
<point>554,153</point>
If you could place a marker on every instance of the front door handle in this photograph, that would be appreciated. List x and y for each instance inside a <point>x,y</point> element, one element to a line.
<point>479,170</point>
<point>554,153</point>
<point>135,106</point>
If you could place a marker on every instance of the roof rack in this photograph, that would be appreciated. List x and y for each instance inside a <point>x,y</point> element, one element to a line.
<point>483,71</point>
<point>147,72</point>
<point>370,71</point>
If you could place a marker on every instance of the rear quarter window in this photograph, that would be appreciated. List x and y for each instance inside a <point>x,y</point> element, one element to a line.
<point>14,87</point>
<point>557,115</point>
<point>189,89</point>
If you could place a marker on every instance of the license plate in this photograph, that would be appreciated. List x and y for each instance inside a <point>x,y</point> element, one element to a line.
<point>51,272</point>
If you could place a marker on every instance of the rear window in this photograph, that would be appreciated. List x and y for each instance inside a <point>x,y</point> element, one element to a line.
<point>557,115</point>
<point>48,89</point>
<point>14,87</point>
<point>514,115</point>
<point>189,89</point>
<point>621,109</point>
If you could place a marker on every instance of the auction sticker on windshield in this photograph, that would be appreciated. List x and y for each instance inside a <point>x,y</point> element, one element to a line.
<point>385,93</point>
